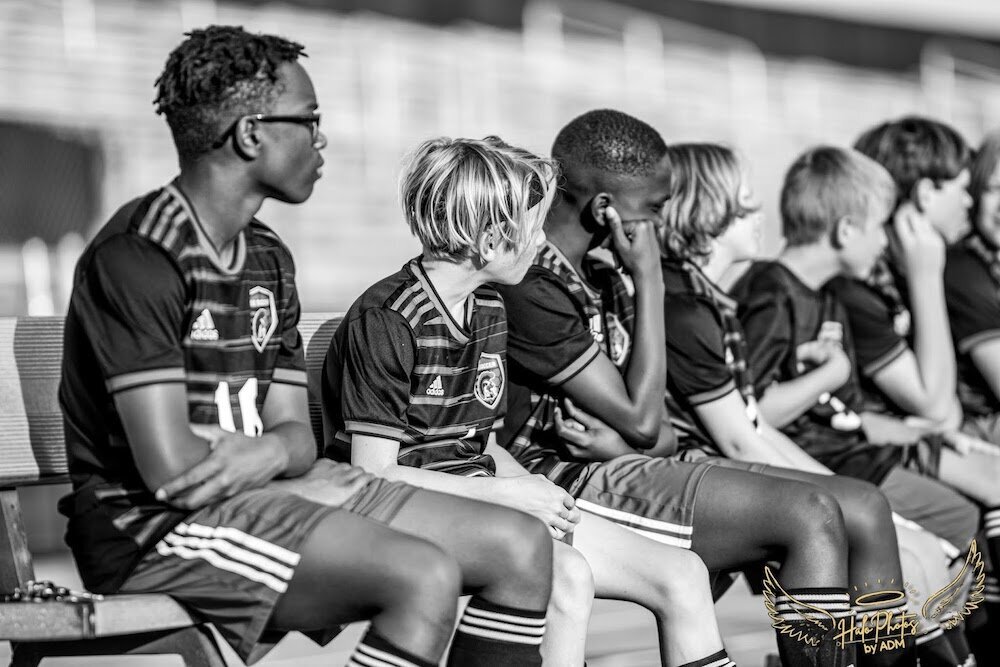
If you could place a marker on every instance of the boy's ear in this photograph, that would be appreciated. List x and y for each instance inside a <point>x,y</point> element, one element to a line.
<point>842,232</point>
<point>488,241</point>
<point>598,206</point>
<point>923,190</point>
<point>246,139</point>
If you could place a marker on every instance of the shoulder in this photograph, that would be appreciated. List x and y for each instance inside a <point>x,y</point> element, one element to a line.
<point>261,236</point>
<point>690,313</point>
<point>964,268</point>
<point>387,301</point>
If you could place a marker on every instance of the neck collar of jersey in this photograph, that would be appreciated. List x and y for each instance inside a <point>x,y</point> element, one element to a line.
<point>240,250</point>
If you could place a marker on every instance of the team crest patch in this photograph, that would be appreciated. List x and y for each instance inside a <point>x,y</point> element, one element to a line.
<point>619,341</point>
<point>263,316</point>
<point>490,380</point>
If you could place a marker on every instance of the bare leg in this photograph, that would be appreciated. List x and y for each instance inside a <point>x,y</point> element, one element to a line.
<point>669,581</point>
<point>353,569</point>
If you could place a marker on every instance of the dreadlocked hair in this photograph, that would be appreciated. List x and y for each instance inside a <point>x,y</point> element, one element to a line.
<point>213,77</point>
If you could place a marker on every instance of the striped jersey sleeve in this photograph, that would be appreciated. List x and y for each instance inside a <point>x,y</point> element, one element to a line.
<point>378,359</point>
<point>132,324</point>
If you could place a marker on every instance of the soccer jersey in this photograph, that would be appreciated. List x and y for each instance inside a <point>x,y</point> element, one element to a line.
<point>881,324</point>
<point>972,290</point>
<point>400,367</point>
<point>706,352</point>
<point>154,303</point>
<point>778,313</point>
<point>559,322</point>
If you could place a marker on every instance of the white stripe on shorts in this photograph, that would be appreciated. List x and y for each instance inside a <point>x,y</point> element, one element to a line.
<point>674,534</point>
<point>366,656</point>
<point>233,535</point>
<point>221,547</point>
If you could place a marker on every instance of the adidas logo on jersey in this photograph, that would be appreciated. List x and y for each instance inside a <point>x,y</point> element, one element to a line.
<point>436,388</point>
<point>204,327</point>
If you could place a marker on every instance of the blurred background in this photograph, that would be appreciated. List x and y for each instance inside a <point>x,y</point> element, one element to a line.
<point>78,135</point>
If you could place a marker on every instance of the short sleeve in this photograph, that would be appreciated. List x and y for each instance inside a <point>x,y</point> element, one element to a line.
<point>973,300</point>
<point>290,366</point>
<point>696,355</point>
<point>876,343</point>
<point>376,356</point>
<point>546,335</point>
<point>130,302</point>
<point>767,326</point>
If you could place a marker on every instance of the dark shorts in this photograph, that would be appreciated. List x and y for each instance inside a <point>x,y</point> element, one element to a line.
<point>230,562</point>
<point>937,508</point>
<point>651,496</point>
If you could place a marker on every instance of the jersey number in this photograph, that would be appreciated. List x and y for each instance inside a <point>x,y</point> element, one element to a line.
<point>252,425</point>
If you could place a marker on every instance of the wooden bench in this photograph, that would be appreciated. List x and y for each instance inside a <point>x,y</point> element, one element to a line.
<point>32,452</point>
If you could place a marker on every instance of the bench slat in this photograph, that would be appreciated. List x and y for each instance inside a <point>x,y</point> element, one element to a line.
<point>115,615</point>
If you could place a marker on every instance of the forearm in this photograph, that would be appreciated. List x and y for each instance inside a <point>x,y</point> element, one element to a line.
<point>789,451</point>
<point>507,465</point>
<point>784,402</point>
<point>933,346</point>
<point>295,445</point>
<point>647,370</point>
<point>480,488</point>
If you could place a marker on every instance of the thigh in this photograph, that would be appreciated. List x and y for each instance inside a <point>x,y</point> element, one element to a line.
<point>482,537</point>
<point>935,507</point>
<point>975,474</point>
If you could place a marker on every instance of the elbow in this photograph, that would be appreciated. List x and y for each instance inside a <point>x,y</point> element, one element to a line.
<point>645,434</point>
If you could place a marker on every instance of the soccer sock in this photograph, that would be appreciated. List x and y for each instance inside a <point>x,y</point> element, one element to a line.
<point>991,527</point>
<point>720,659</point>
<point>981,638</point>
<point>933,648</point>
<point>899,648</point>
<point>377,651</point>
<point>493,635</point>
<point>960,645</point>
<point>794,650</point>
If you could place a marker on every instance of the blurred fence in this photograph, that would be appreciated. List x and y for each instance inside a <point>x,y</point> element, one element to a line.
<point>385,84</point>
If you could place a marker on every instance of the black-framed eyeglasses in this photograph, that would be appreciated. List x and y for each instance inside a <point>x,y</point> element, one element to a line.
<point>309,119</point>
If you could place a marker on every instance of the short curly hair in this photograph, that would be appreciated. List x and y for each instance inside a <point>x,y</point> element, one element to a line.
<point>597,148</point>
<point>913,148</point>
<point>704,198</point>
<point>213,77</point>
<point>451,189</point>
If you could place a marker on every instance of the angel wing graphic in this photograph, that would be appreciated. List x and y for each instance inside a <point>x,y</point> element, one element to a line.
<point>819,621</point>
<point>939,602</point>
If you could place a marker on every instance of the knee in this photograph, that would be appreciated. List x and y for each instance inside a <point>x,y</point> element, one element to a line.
<point>572,581</point>
<point>867,512</point>
<point>424,575</point>
<point>682,586</point>
<point>818,516</point>
<point>522,546</point>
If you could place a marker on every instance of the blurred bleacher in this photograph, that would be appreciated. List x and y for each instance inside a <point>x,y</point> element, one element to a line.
<point>88,67</point>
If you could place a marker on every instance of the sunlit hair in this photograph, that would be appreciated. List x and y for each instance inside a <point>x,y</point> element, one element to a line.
<point>913,148</point>
<point>826,184</point>
<point>982,168</point>
<point>704,198</point>
<point>451,189</point>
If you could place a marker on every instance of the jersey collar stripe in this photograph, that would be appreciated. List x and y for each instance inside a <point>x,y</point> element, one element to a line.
<point>153,214</point>
<point>239,256</point>
<point>171,215</point>
<point>412,304</point>
<point>397,305</point>
<point>142,378</point>
<point>449,321</point>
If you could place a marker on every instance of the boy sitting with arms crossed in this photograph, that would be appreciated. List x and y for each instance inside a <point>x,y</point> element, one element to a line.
<point>415,386</point>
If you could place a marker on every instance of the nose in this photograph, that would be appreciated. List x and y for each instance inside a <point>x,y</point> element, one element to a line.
<point>967,199</point>
<point>320,142</point>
